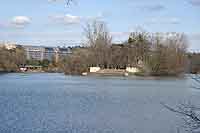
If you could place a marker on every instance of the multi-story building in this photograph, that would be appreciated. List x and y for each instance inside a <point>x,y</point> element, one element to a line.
<point>40,53</point>
<point>49,53</point>
<point>34,52</point>
<point>64,51</point>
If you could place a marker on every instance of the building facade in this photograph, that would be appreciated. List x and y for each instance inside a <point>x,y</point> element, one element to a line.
<point>40,53</point>
<point>34,52</point>
<point>49,53</point>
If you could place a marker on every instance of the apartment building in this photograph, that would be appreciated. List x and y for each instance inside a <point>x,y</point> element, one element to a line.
<point>40,53</point>
<point>34,52</point>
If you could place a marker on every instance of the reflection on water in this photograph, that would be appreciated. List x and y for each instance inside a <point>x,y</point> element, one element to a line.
<point>58,103</point>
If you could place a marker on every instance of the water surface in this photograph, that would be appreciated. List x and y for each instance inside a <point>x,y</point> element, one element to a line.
<point>58,103</point>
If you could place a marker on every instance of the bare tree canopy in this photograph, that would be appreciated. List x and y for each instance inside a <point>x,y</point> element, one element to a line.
<point>190,115</point>
<point>11,60</point>
<point>99,40</point>
<point>68,2</point>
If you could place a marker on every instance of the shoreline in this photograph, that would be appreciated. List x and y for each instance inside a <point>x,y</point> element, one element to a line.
<point>107,74</point>
<point>91,77</point>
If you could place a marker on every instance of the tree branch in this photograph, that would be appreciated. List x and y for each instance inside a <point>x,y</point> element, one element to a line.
<point>189,112</point>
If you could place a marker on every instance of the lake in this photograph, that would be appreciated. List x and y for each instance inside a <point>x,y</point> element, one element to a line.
<point>46,102</point>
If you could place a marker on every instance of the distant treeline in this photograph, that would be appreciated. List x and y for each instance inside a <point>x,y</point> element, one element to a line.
<point>194,63</point>
<point>11,60</point>
<point>153,54</point>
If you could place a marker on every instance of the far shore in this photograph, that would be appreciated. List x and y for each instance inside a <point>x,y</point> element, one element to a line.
<point>182,76</point>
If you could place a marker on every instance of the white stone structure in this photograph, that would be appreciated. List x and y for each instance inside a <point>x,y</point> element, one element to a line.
<point>94,69</point>
<point>132,70</point>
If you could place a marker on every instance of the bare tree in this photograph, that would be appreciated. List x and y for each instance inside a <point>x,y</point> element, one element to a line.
<point>138,47</point>
<point>118,57</point>
<point>189,112</point>
<point>168,54</point>
<point>99,41</point>
<point>68,2</point>
<point>11,60</point>
<point>196,78</point>
<point>76,63</point>
<point>190,115</point>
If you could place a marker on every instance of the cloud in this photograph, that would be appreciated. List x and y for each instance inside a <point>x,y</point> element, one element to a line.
<point>119,37</point>
<point>120,33</point>
<point>155,7</point>
<point>194,41</point>
<point>3,25</point>
<point>55,0</point>
<point>172,20</point>
<point>20,21</point>
<point>42,38</point>
<point>66,19</point>
<point>15,22</point>
<point>65,2</point>
<point>100,16</point>
<point>195,36</point>
<point>195,2</point>
<point>150,7</point>
<point>69,19</point>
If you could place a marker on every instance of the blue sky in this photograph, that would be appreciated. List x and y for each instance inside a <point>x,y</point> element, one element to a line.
<point>50,22</point>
